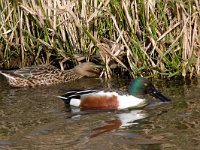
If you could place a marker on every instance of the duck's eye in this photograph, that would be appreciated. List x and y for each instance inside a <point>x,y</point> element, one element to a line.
<point>95,69</point>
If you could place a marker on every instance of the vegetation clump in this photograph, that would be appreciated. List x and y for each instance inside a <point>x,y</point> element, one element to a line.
<point>153,38</point>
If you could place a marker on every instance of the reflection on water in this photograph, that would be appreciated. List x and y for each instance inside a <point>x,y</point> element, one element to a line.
<point>33,118</point>
<point>122,120</point>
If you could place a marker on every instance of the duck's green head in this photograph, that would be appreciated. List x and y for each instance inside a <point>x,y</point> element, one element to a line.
<point>142,86</point>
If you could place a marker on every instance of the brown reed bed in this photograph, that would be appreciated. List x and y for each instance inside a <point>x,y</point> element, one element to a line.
<point>152,38</point>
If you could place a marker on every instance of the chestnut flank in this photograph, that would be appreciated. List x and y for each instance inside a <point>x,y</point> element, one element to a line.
<point>99,102</point>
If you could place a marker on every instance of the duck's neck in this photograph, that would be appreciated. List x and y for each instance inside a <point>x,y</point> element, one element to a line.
<point>71,75</point>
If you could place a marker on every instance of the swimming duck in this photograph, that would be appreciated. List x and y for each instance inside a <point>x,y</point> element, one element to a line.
<point>47,74</point>
<point>94,99</point>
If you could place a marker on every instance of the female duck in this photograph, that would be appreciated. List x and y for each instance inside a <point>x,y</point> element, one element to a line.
<point>48,74</point>
<point>93,99</point>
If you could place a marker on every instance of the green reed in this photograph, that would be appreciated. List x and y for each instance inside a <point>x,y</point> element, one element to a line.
<point>146,38</point>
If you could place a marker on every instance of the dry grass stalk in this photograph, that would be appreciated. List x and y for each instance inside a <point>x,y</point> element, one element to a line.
<point>161,38</point>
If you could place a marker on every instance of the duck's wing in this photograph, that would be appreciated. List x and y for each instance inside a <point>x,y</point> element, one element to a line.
<point>75,94</point>
<point>31,71</point>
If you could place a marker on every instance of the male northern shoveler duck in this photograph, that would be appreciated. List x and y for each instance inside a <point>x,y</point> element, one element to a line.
<point>48,74</point>
<point>93,99</point>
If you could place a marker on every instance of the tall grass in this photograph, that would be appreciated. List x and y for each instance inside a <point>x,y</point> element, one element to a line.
<point>153,38</point>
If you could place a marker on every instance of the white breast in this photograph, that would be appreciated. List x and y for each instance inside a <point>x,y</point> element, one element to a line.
<point>126,101</point>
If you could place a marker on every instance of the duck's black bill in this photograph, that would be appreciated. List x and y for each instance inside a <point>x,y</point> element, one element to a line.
<point>160,96</point>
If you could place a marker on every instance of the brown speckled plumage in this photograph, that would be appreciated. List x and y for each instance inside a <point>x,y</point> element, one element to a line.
<point>48,75</point>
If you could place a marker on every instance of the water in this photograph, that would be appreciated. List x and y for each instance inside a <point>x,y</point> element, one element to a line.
<point>33,118</point>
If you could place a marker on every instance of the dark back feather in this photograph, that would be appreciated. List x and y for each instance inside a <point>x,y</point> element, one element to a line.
<point>75,94</point>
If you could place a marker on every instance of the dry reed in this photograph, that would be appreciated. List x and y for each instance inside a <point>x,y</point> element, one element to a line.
<point>151,38</point>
